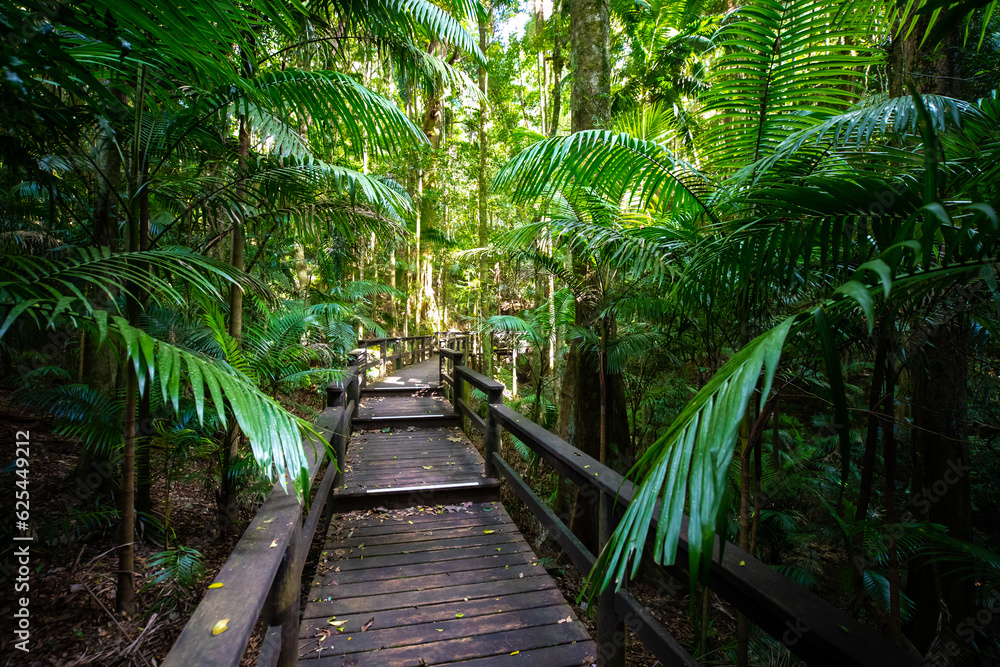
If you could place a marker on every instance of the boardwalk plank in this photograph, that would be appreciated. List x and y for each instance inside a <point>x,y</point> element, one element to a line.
<point>446,611</point>
<point>420,569</point>
<point>453,628</point>
<point>427,582</point>
<point>465,648</point>
<point>372,603</point>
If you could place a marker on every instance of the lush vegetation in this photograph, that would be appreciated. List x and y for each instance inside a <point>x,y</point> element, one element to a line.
<point>745,252</point>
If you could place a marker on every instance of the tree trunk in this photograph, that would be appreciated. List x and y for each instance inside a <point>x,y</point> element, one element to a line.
<point>301,273</point>
<point>557,68</point>
<point>144,437</point>
<point>484,224</point>
<point>876,396</point>
<point>125,593</point>
<point>226,510</point>
<point>942,489</point>
<point>589,31</point>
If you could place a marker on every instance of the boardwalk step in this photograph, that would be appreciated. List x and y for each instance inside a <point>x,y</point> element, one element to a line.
<point>460,586</point>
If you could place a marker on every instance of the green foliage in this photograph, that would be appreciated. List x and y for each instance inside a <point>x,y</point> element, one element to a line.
<point>177,574</point>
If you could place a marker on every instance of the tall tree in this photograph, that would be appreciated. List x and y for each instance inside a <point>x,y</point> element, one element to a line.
<point>485,27</point>
<point>592,402</point>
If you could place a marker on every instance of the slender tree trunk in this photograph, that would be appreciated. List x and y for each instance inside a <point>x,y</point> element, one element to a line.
<point>301,272</point>
<point>557,67</point>
<point>104,369</point>
<point>227,511</point>
<point>942,488</point>
<point>486,25</point>
<point>891,514</point>
<point>125,593</point>
<point>144,480</point>
<point>875,396</point>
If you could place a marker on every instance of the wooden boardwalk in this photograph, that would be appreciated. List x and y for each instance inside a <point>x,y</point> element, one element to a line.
<point>427,568</point>
<point>424,374</point>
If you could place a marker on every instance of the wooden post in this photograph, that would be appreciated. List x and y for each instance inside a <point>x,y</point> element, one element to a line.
<point>382,359</point>
<point>456,390</point>
<point>493,397</point>
<point>356,396</point>
<point>282,606</point>
<point>340,448</point>
<point>610,627</point>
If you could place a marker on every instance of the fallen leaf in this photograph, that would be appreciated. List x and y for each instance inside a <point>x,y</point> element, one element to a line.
<point>426,467</point>
<point>520,575</point>
<point>515,652</point>
<point>274,543</point>
<point>335,624</point>
<point>215,585</point>
<point>364,628</point>
<point>220,627</point>
<point>489,532</point>
<point>459,615</point>
<point>568,619</point>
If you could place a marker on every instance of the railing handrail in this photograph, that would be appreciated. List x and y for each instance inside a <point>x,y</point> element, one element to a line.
<point>812,628</point>
<point>478,380</point>
<point>262,576</point>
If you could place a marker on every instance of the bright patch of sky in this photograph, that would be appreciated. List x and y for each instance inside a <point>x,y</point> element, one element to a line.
<point>515,25</point>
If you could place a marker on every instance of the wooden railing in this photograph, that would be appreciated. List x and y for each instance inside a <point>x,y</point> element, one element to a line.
<point>399,351</point>
<point>263,576</point>
<point>808,626</point>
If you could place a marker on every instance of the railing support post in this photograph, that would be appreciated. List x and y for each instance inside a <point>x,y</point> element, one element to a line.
<point>493,397</point>
<point>456,389</point>
<point>282,606</point>
<point>610,627</point>
<point>381,352</point>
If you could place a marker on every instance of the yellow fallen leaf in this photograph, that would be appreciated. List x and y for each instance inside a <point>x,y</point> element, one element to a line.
<point>515,652</point>
<point>743,562</point>
<point>426,467</point>
<point>489,532</point>
<point>274,543</point>
<point>215,585</point>
<point>220,627</point>
<point>336,624</point>
<point>459,615</point>
<point>439,629</point>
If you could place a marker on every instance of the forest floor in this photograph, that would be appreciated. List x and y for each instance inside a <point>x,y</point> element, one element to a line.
<point>72,585</point>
